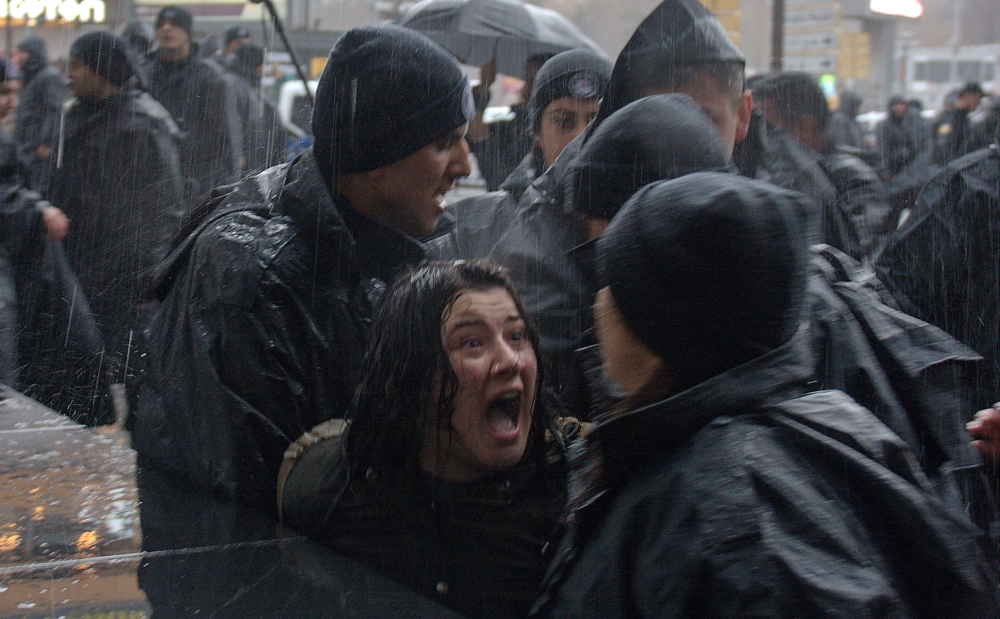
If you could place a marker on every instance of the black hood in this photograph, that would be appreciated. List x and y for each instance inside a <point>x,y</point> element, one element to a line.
<point>677,33</point>
<point>850,103</point>
<point>35,62</point>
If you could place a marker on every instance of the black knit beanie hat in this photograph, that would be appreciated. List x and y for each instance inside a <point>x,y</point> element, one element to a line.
<point>176,15</point>
<point>708,269</point>
<point>106,54</point>
<point>386,92</point>
<point>235,32</point>
<point>247,58</point>
<point>577,73</point>
<point>653,139</point>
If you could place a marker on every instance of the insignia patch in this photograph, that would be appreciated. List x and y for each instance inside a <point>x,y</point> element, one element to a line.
<point>583,85</point>
<point>944,129</point>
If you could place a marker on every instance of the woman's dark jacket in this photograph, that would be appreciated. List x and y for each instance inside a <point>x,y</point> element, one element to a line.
<point>479,548</point>
<point>265,315</point>
<point>742,497</point>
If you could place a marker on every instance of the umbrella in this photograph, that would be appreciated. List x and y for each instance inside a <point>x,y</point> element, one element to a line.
<point>476,31</point>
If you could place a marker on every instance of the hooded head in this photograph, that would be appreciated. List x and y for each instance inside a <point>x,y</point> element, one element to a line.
<point>386,92</point>
<point>34,56</point>
<point>850,103</point>
<point>794,102</point>
<point>708,270</point>
<point>105,54</point>
<point>246,59</point>
<point>139,35</point>
<point>675,42</point>
<point>654,139</point>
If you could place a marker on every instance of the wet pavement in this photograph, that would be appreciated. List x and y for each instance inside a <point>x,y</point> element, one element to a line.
<point>86,533</point>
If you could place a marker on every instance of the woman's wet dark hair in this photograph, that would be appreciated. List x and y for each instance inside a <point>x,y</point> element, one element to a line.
<point>407,369</point>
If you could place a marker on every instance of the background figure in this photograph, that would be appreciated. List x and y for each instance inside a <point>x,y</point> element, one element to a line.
<point>119,182</point>
<point>501,145</point>
<point>951,133</point>
<point>234,37</point>
<point>894,141</point>
<point>844,129</point>
<point>916,125</point>
<point>40,107</point>
<point>195,92</point>
<point>264,136</point>
<point>139,37</point>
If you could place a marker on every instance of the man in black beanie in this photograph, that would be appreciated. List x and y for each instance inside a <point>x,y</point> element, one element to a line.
<point>39,109</point>
<point>116,174</point>
<point>720,487</point>
<point>196,94</point>
<point>268,294</point>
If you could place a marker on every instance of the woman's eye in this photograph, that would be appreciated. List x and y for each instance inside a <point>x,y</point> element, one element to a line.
<point>517,336</point>
<point>472,343</point>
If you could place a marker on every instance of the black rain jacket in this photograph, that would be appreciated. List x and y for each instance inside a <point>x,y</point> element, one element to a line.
<point>117,178</point>
<point>39,108</point>
<point>265,317</point>
<point>941,266</point>
<point>197,94</point>
<point>742,497</point>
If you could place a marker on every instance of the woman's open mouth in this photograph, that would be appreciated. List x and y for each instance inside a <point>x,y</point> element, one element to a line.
<point>503,416</point>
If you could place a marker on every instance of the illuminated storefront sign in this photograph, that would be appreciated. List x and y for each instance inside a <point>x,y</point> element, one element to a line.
<point>84,11</point>
<point>902,8</point>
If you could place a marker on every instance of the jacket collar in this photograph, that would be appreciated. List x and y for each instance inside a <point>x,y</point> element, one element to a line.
<point>629,438</point>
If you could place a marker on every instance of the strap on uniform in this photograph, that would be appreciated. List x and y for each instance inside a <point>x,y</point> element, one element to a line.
<point>328,429</point>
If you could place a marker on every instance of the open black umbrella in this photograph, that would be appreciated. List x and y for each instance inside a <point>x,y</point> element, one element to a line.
<point>510,31</point>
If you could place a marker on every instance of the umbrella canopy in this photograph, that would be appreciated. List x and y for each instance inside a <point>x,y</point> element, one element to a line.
<point>510,31</point>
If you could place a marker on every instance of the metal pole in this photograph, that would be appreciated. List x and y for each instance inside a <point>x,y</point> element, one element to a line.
<point>291,52</point>
<point>9,28</point>
<point>777,35</point>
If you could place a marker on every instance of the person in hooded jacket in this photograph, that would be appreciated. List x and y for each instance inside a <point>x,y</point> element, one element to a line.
<point>564,101</point>
<point>951,132</point>
<point>720,487</point>
<point>844,128</point>
<point>267,295</point>
<point>25,222</point>
<point>548,246</point>
<point>795,103</point>
<point>118,178</point>
<point>941,265</point>
<point>264,137</point>
<point>894,140</point>
<point>39,110</point>
<point>196,94</point>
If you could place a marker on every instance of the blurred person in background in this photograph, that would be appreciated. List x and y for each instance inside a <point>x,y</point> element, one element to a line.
<point>196,94</point>
<point>844,128</point>
<point>39,111</point>
<point>117,176</point>
<point>951,132</point>
<point>264,137</point>
<point>894,140</point>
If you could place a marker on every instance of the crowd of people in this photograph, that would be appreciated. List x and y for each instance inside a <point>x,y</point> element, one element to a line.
<point>131,142</point>
<point>683,361</point>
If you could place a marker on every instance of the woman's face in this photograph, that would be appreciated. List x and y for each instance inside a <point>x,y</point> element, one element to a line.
<point>486,341</point>
<point>562,120</point>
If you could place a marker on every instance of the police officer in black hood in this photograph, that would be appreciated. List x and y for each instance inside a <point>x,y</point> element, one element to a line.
<point>196,94</point>
<point>40,107</point>
<point>268,294</point>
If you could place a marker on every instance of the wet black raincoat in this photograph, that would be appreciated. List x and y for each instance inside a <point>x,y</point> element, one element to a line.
<point>117,178</point>
<point>38,113</point>
<point>196,93</point>
<point>942,264</point>
<point>265,316</point>
<point>743,497</point>
<point>867,218</point>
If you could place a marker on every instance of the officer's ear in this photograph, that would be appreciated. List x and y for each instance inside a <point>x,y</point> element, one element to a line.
<point>744,108</point>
